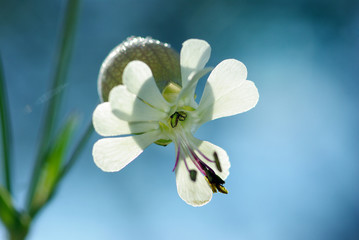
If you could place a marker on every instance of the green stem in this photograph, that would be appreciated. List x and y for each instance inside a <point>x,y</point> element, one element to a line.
<point>59,81</point>
<point>78,149</point>
<point>20,231</point>
<point>19,234</point>
<point>73,157</point>
<point>5,130</point>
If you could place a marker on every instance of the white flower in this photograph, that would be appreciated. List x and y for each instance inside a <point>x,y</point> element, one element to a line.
<point>138,108</point>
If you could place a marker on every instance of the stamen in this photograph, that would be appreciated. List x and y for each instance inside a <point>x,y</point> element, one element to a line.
<point>186,149</point>
<point>212,186</point>
<point>209,160</point>
<point>182,115</point>
<point>221,189</point>
<point>177,157</point>
<point>177,116</point>
<point>218,164</point>
<point>212,176</point>
<point>214,181</point>
<point>185,163</point>
<point>174,119</point>
<point>193,175</point>
<point>196,161</point>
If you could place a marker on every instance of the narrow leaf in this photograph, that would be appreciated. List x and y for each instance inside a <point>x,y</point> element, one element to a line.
<point>5,131</point>
<point>75,154</point>
<point>66,168</point>
<point>53,165</point>
<point>59,80</point>
<point>8,213</point>
<point>16,223</point>
<point>78,149</point>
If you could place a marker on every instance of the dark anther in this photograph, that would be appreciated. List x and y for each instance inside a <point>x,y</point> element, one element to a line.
<point>182,115</point>
<point>193,175</point>
<point>177,116</point>
<point>214,181</point>
<point>221,189</point>
<point>174,119</point>
<point>218,164</point>
<point>211,185</point>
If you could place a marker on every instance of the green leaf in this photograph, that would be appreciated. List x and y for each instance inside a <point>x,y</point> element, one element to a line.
<point>5,130</point>
<point>59,80</point>
<point>17,224</point>
<point>62,67</point>
<point>74,156</point>
<point>77,150</point>
<point>8,213</point>
<point>53,166</point>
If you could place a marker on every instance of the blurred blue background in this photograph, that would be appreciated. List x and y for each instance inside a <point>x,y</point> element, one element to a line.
<point>295,168</point>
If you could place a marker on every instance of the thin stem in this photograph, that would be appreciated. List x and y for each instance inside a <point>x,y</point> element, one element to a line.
<point>5,130</point>
<point>73,157</point>
<point>20,233</point>
<point>78,149</point>
<point>63,61</point>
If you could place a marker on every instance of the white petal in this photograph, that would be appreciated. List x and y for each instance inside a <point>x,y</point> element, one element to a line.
<point>227,92</point>
<point>186,95</point>
<point>196,193</point>
<point>113,154</point>
<point>139,80</point>
<point>208,149</point>
<point>128,107</point>
<point>107,124</point>
<point>194,56</point>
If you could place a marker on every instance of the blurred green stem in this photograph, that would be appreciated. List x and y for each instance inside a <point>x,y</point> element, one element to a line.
<point>5,130</point>
<point>78,149</point>
<point>54,164</point>
<point>52,149</point>
<point>20,233</point>
<point>53,107</point>
<point>74,156</point>
<point>55,177</point>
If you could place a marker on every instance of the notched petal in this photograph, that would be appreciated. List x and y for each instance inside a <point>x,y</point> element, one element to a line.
<point>139,80</point>
<point>227,92</point>
<point>194,56</point>
<point>107,124</point>
<point>196,193</point>
<point>113,154</point>
<point>128,107</point>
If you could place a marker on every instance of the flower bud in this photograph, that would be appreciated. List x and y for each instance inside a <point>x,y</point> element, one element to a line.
<point>163,61</point>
